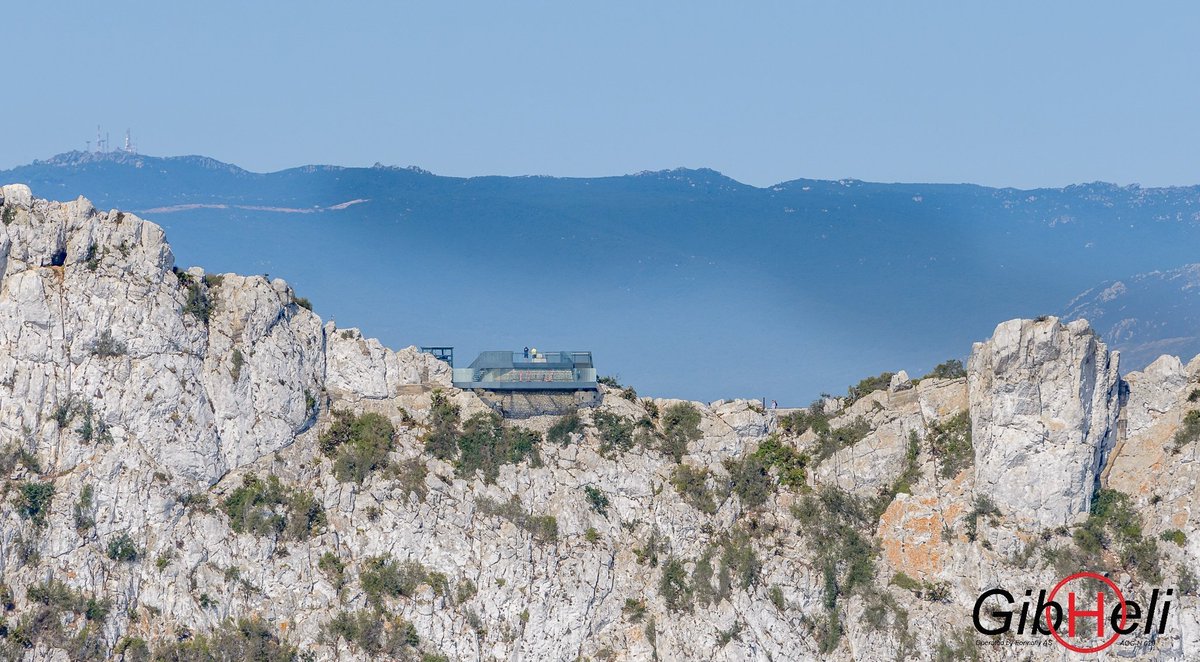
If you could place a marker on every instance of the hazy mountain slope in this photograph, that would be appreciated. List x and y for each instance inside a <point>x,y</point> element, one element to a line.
<point>779,292</point>
<point>1146,315</point>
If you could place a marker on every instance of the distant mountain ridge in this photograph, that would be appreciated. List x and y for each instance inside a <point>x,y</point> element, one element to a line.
<point>683,281</point>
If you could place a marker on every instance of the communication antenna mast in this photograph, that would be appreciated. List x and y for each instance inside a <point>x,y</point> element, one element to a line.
<point>129,148</point>
<point>99,140</point>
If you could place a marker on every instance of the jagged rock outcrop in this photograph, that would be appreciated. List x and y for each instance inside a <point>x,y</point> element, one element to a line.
<point>1044,401</point>
<point>136,401</point>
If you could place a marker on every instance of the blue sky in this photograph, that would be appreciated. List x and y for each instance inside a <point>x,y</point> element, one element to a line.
<point>1016,93</point>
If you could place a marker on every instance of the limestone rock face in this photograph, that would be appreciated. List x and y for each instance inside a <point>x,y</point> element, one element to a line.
<point>1044,401</point>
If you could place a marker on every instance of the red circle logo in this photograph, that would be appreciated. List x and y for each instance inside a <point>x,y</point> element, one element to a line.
<point>1108,642</point>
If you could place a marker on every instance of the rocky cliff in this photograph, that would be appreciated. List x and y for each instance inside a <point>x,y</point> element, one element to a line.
<point>194,466</point>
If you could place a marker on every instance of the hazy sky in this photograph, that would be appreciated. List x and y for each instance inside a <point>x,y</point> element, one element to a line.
<point>1014,93</point>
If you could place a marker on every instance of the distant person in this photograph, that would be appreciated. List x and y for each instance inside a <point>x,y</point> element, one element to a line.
<point>527,352</point>
<point>774,404</point>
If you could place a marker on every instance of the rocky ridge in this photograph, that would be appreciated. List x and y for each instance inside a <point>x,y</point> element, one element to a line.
<point>145,412</point>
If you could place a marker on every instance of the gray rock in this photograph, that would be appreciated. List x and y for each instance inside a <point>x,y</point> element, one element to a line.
<point>1044,403</point>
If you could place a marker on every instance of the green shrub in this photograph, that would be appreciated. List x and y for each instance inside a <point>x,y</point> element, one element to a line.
<point>775,594</point>
<point>1174,535</point>
<point>374,633</point>
<point>543,528</point>
<point>839,527</point>
<point>441,440</point>
<point>33,501</point>
<point>634,610</point>
<point>244,640</point>
<point>836,439</point>
<point>47,622</point>
<point>465,590</point>
<point>596,499</point>
<point>982,507</point>
<point>950,443</point>
<point>268,507</point>
<point>726,636</point>
<point>121,548</point>
<point>798,422</point>
<point>674,588</point>
<point>132,649</point>
<point>12,455</point>
<point>333,568</point>
<point>610,380</point>
<point>383,577</point>
<point>304,303</point>
<point>790,464</point>
<point>750,480</point>
<point>952,369</point>
<point>197,302</point>
<point>616,432</point>
<point>485,445</point>
<point>411,474</point>
<point>680,426</point>
<point>93,427</point>
<point>560,433</point>
<point>691,484</point>
<point>237,361</point>
<point>84,521</point>
<point>107,346</point>
<point>1187,579</point>
<point>1188,433</point>
<point>868,386</point>
<point>357,444</point>
<point>591,535</point>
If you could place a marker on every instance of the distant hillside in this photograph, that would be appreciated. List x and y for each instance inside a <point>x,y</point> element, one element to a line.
<point>1146,315</point>
<point>683,281</point>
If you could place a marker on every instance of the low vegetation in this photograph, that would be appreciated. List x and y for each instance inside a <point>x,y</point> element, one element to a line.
<point>680,426</point>
<point>33,501</point>
<point>243,639</point>
<point>384,577</point>
<point>596,499</point>
<point>800,421</point>
<point>835,439</point>
<point>197,301</point>
<point>1114,526</point>
<point>358,445</point>
<point>840,529</point>
<point>82,510</point>
<point>616,432</point>
<point>727,563</point>
<point>560,433</point>
<point>543,528</point>
<point>481,444</point>
<point>950,444</point>
<point>952,369</point>
<point>270,508</point>
<point>485,445</point>
<point>1188,432</point>
<point>867,386</point>
<point>692,484</point>
<point>376,633</point>
<point>59,617</point>
<point>122,549</point>
<point>107,346</point>
<point>441,439</point>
